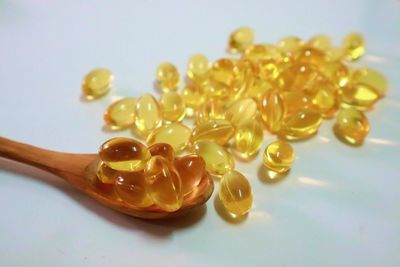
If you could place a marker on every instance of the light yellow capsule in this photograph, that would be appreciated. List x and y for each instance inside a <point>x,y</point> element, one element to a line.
<point>301,125</point>
<point>218,131</point>
<point>121,114</point>
<point>279,156</point>
<point>320,41</point>
<point>269,70</point>
<point>167,77</point>
<point>97,83</point>
<point>300,76</point>
<point>245,74</point>
<point>334,54</point>
<point>259,88</point>
<point>214,89</point>
<point>197,68</point>
<point>223,71</point>
<point>289,45</point>
<point>353,46</point>
<point>175,134</point>
<point>324,98</point>
<point>359,96</point>
<point>272,110</point>
<point>258,52</point>
<point>210,110</point>
<point>372,78</point>
<point>249,138</point>
<point>193,96</point>
<point>241,111</point>
<point>351,126</point>
<point>312,56</point>
<point>218,160</point>
<point>294,101</point>
<point>148,114</point>
<point>172,107</point>
<point>240,39</point>
<point>235,193</point>
<point>336,72</point>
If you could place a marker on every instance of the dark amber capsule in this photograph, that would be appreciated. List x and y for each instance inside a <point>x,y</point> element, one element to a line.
<point>162,149</point>
<point>191,169</point>
<point>130,187</point>
<point>105,174</point>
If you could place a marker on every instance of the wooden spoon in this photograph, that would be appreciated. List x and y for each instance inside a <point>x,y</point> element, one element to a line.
<point>80,170</point>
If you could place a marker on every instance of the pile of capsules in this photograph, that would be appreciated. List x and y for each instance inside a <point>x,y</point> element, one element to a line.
<point>287,89</point>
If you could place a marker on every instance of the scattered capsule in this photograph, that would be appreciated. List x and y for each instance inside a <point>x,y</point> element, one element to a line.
<point>218,131</point>
<point>301,125</point>
<point>294,101</point>
<point>214,89</point>
<point>121,114</point>
<point>240,39</point>
<point>320,41</point>
<point>351,126</point>
<point>353,46</point>
<point>105,174</point>
<point>259,89</point>
<point>336,72</point>
<point>241,111</point>
<point>272,110</point>
<point>210,110</point>
<point>324,99</point>
<point>289,45</point>
<point>218,160</point>
<point>235,193</point>
<point>148,114</point>
<point>359,96</point>
<point>245,75</point>
<point>193,96</point>
<point>223,71</point>
<point>258,52</point>
<point>167,77</point>
<point>311,55</point>
<point>198,68</point>
<point>300,76</point>
<point>249,138</point>
<point>97,83</point>
<point>278,156</point>
<point>172,107</point>
<point>124,154</point>
<point>163,184</point>
<point>191,169</point>
<point>372,78</point>
<point>162,149</point>
<point>175,134</point>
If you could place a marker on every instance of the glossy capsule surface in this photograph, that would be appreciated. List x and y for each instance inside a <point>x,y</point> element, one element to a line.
<point>191,169</point>
<point>121,114</point>
<point>336,72</point>
<point>218,131</point>
<point>172,107</point>
<point>324,98</point>
<point>193,96</point>
<point>320,41</point>
<point>294,101</point>
<point>175,134</point>
<point>197,68</point>
<point>210,110</point>
<point>241,111</point>
<point>301,125</point>
<point>249,138</point>
<point>130,187</point>
<point>278,156</point>
<point>351,126</point>
<point>163,183</point>
<point>105,174</point>
<point>258,52</point>
<point>360,96</point>
<point>167,77</point>
<point>162,149</point>
<point>272,110</point>
<point>240,39</point>
<point>124,154</point>
<point>148,114</point>
<point>218,160</point>
<point>235,193</point>
<point>372,78</point>
<point>223,71</point>
<point>97,83</point>
<point>353,46</point>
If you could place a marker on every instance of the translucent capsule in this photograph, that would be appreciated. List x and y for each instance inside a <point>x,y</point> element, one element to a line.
<point>167,77</point>
<point>218,131</point>
<point>272,110</point>
<point>324,98</point>
<point>278,156</point>
<point>131,188</point>
<point>175,134</point>
<point>311,55</point>
<point>193,96</point>
<point>351,126</point>
<point>105,174</point>
<point>301,125</point>
<point>269,70</point>
<point>218,160</point>
<point>163,184</point>
<point>258,52</point>
<point>162,149</point>
<point>360,96</point>
<point>223,71</point>
<point>353,46</point>
<point>198,67</point>
<point>124,154</point>
<point>320,41</point>
<point>240,39</point>
<point>241,111</point>
<point>172,107</point>
<point>259,89</point>
<point>334,54</point>
<point>289,45</point>
<point>294,101</point>
<point>235,193</point>
<point>372,78</point>
<point>214,89</point>
<point>148,114</point>
<point>97,83</point>
<point>191,169</point>
<point>244,76</point>
<point>300,76</point>
<point>249,138</point>
<point>336,72</point>
<point>210,110</point>
<point>121,114</point>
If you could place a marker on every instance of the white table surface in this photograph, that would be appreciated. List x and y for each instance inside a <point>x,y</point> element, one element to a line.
<point>339,206</point>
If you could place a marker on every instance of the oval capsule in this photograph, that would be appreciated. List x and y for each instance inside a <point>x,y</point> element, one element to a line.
<point>258,52</point>
<point>167,77</point>
<point>121,114</point>
<point>249,138</point>
<point>97,83</point>
<point>278,156</point>
<point>223,71</point>
<point>210,110</point>
<point>219,131</point>
<point>241,111</point>
<point>240,39</point>
<point>193,96</point>
<point>301,125</point>
<point>294,101</point>
<point>272,110</point>
<point>336,72</point>
<point>105,174</point>
<point>148,115</point>
<point>372,78</point>
<point>351,126</point>
<point>320,41</point>
<point>172,107</point>
<point>359,96</point>
<point>324,99</point>
<point>191,169</point>
<point>175,134</point>
<point>162,149</point>
<point>353,46</point>
<point>197,68</point>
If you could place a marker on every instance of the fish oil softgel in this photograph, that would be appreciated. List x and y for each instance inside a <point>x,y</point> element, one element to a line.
<point>97,83</point>
<point>176,134</point>
<point>167,77</point>
<point>249,138</point>
<point>121,114</point>
<point>197,68</point>
<point>163,150</point>
<point>191,168</point>
<point>172,107</point>
<point>147,114</point>
<point>351,126</point>
<point>278,156</point>
<point>219,131</point>
<point>240,39</point>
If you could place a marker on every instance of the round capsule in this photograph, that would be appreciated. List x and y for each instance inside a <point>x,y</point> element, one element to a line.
<point>97,83</point>
<point>240,39</point>
<point>163,184</point>
<point>353,46</point>
<point>278,156</point>
<point>162,149</point>
<point>172,107</point>
<point>336,72</point>
<point>372,78</point>
<point>301,125</point>
<point>218,160</point>
<point>249,138</point>
<point>148,114</point>
<point>191,169</point>
<point>223,71</point>
<point>121,114</point>
<point>241,111</point>
<point>351,126</point>
<point>193,96</point>
<point>359,96</point>
<point>210,110</point>
<point>218,131</point>
<point>124,154</point>
<point>105,174</point>
<point>130,187</point>
<point>197,68</point>
<point>272,110</point>
<point>320,41</point>
<point>259,52</point>
<point>235,193</point>
<point>167,77</point>
<point>175,134</point>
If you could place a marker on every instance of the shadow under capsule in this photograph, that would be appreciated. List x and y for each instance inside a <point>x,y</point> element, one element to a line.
<point>226,215</point>
<point>270,177</point>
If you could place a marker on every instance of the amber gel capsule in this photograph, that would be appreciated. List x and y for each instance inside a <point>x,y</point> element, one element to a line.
<point>191,169</point>
<point>176,134</point>
<point>121,113</point>
<point>351,126</point>
<point>240,39</point>
<point>278,156</point>
<point>148,114</point>
<point>105,174</point>
<point>163,184</point>
<point>131,188</point>
<point>235,193</point>
<point>219,131</point>
<point>97,83</point>
<point>163,150</point>
<point>167,77</point>
<point>124,154</point>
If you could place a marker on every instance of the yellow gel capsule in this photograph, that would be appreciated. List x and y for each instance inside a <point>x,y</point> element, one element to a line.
<point>353,46</point>
<point>320,41</point>
<point>175,134</point>
<point>269,70</point>
<point>294,101</point>
<point>371,78</point>
<point>197,68</point>
<point>249,138</point>
<point>163,184</point>
<point>289,45</point>
<point>193,96</point>
<point>272,110</point>
<point>223,71</point>
<point>131,188</point>
<point>240,39</point>
<point>311,55</point>
<point>218,131</point>
<point>258,52</point>
<point>167,77</point>
<point>191,169</point>
<point>241,111</point>
<point>324,99</point>
<point>300,76</point>
<point>259,88</point>
<point>278,156</point>
<point>97,83</point>
<point>351,126</point>
<point>336,72</point>
<point>359,96</point>
<point>105,174</point>
<point>218,160</point>
<point>301,125</point>
<point>162,149</point>
<point>245,74</point>
<point>121,113</point>
<point>214,89</point>
<point>172,107</point>
<point>210,110</point>
<point>124,154</point>
<point>235,193</point>
<point>148,114</point>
